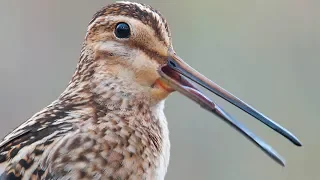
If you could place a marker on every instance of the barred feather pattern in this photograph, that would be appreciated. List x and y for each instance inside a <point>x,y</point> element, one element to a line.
<point>92,131</point>
<point>100,127</point>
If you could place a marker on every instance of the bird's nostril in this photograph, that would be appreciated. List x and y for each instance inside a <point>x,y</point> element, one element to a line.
<point>172,64</point>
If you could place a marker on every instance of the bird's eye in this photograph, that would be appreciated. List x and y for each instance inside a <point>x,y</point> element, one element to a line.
<point>122,30</point>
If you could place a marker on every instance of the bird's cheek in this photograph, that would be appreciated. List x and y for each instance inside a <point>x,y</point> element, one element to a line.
<point>146,74</point>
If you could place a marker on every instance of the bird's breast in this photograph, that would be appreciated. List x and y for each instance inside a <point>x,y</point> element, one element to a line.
<point>118,143</point>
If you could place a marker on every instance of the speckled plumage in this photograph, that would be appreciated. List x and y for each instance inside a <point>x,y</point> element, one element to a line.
<point>106,124</point>
<point>109,122</point>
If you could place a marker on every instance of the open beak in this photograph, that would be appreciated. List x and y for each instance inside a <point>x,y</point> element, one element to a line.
<point>176,73</point>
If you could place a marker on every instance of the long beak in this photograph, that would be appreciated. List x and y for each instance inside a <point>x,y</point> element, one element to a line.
<point>176,74</point>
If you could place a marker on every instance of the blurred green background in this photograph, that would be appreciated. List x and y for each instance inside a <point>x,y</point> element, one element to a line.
<point>265,51</point>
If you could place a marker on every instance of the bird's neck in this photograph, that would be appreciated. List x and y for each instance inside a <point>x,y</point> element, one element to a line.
<point>103,104</point>
<point>91,85</point>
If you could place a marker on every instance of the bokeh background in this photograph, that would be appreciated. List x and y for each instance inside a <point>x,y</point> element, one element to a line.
<point>264,51</point>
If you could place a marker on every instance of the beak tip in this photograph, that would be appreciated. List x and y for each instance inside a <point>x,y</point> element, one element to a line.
<point>295,141</point>
<point>299,144</point>
<point>280,160</point>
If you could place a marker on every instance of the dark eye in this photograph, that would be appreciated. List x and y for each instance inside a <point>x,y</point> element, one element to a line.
<point>122,30</point>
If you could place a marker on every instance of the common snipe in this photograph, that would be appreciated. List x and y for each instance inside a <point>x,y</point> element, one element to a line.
<point>109,122</point>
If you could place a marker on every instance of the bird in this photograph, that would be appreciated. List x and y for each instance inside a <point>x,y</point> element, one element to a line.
<point>109,122</point>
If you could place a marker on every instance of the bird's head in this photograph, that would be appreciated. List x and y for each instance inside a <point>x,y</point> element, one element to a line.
<point>132,42</point>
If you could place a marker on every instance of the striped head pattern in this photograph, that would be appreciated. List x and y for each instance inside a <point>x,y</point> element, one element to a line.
<point>128,40</point>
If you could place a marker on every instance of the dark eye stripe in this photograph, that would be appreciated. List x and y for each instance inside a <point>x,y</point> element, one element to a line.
<point>151,53</point>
